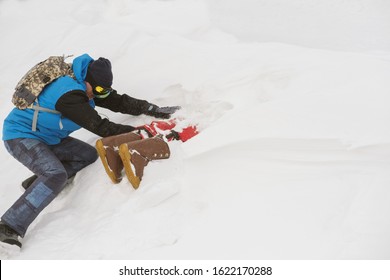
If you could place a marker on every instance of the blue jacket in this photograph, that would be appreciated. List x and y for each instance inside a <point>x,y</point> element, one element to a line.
<point>51,128</point>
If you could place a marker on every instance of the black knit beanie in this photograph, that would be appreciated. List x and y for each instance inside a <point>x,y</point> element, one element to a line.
<point>99,73</point>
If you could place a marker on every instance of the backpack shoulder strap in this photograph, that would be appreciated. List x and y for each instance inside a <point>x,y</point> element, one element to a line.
<point>37,109</point>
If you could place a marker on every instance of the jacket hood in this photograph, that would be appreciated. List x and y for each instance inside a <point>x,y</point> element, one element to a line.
<point>80,67</point>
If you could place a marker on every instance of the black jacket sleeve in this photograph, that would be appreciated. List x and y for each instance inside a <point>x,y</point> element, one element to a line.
<point>123,104</point>
<point>74,105</point>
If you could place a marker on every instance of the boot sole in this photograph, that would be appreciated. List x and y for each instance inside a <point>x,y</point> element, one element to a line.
<point>126,157</point>
<point>102,154</point>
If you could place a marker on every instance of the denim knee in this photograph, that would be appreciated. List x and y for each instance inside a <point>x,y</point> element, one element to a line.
<point>92,156</point>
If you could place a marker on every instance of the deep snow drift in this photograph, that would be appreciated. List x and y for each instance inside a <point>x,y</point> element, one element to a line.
<point>292,161</point>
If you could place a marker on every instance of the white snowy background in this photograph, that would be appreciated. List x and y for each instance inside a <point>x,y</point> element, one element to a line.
<point>292,99</point>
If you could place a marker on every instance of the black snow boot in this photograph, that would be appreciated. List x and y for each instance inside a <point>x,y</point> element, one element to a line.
<point>26,183</point>
<point>9,236</point>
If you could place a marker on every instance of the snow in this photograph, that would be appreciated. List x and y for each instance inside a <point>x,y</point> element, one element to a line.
<point>292,101</point>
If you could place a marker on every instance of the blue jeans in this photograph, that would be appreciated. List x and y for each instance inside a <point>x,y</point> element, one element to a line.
<point>53,164</point>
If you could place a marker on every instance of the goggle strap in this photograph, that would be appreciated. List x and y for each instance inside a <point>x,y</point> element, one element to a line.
<point>102,95</point>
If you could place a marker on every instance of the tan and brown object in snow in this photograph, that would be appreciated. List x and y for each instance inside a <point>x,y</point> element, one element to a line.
<point>136,155</point>
<point>108,148</point>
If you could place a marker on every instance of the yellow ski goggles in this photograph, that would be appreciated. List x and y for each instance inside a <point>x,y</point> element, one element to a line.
<point>101,92</point>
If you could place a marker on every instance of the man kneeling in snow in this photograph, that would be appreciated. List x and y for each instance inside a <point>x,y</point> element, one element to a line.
<point>48,150</point>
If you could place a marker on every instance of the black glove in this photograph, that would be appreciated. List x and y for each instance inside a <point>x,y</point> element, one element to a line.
<point>161,112</point>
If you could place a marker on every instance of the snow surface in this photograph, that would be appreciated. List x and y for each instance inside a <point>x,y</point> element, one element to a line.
<point>292,99</point>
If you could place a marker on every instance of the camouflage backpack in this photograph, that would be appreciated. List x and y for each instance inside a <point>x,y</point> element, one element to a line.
<point>42,74</point>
